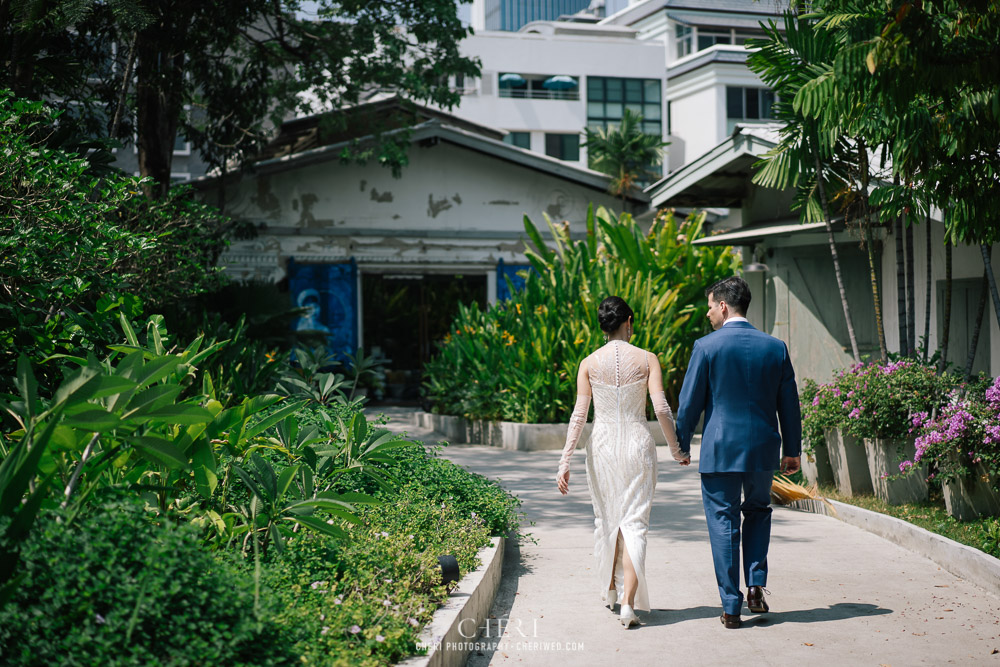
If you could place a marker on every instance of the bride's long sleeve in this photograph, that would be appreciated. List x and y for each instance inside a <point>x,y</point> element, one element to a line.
<point>666,418</point>
<point>577,422</point>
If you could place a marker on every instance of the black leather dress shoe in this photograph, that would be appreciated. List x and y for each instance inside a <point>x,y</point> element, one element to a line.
<point>731,621</point>
<point>756,601</point>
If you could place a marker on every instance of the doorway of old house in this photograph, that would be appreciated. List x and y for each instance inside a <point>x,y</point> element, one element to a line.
<point>404,315</point>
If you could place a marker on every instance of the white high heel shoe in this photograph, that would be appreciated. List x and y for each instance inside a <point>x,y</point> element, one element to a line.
<point>612,598</point>
<point>628,617</point>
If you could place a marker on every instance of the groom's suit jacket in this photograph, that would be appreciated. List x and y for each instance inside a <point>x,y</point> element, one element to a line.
<point>742,379</point>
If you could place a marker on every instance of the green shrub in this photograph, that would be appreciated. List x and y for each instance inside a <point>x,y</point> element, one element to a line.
<point>518,360</point>
<point>440,480</point>
<point>880,400</point>
<point>122,587</point>
<point>74,240</point>
<point>364,601</point>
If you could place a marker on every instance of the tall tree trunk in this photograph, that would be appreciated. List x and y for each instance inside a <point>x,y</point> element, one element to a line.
<point>945,337</point>
<point>927,296</point>
<point>836,260</point>
<point>987,251</point>
<point>126,79</point>
<point>978,327</point>
<point>900,282</point>
<point>158,107</point>
<point>866,223</point>
<point>911,303</point>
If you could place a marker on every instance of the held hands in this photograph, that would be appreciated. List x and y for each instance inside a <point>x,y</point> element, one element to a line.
<point>562,481</point>
<point>686,461</point>
<point>790,464</point>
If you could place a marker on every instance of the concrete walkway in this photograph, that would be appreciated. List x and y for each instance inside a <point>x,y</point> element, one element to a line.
<point>839,595</point>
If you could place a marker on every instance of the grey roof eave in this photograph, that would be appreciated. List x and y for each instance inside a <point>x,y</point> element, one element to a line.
<point>436,129</point>
<point>740,144</point>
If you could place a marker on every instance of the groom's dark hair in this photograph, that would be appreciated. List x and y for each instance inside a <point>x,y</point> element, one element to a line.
<point>734,291</point>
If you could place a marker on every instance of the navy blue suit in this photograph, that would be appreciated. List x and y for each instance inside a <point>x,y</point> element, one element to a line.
<point>742,379</point>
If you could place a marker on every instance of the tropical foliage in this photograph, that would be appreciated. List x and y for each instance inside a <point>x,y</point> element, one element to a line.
<point>625,153</point>
<point>517,360</point>
<point>888,111</point>
<point>163,494</point>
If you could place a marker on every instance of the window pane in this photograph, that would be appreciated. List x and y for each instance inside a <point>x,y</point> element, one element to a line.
<point>734,102</point>
<point>651,111</point>
<point>519,139</point>
<point>634,108</point>
<point>180,143</point>
<point>766,102</point>
<point>553,145</point>
<point>595,88</point>
<point>595,110</point>
<point>753,103</point>
<point>652,90</point>
<point>705,41</point>
<point>633,90</point>
<point>571,147</point>
<point>614,90</point>
<point>613,110</point>
<point>652,128</point>
<point>669,128</point>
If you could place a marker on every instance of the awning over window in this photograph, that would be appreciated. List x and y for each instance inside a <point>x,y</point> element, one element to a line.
<point>715,20</point>
<point>757,233</point>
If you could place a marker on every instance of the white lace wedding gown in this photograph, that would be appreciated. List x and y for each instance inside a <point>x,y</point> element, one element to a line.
<point>621,458</point>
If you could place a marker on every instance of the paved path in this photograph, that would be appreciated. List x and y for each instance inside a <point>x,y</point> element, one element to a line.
<point>839,595</point>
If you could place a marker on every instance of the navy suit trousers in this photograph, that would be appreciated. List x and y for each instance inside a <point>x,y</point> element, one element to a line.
<point>720,493</point>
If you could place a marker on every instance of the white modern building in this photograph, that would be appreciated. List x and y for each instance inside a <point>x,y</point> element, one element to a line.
<point>549,81</point>
<point>709,89</point>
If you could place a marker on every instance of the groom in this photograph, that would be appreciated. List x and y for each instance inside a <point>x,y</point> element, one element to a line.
<point>743,381</point>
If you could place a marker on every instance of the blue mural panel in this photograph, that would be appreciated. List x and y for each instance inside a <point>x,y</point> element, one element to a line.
<point>505,271</point>
<point>329,293</point>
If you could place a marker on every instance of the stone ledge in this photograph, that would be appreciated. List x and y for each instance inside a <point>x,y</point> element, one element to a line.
<point>455,625</point>
<point>510,435</point>
<point>963,561</point>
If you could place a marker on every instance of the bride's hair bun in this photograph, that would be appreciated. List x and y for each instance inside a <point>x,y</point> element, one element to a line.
<point>612,313</point>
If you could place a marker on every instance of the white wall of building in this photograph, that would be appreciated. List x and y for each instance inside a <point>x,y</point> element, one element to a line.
<point>453,209</point>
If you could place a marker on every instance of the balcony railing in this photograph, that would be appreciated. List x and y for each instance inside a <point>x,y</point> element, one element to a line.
<point>536,94</point>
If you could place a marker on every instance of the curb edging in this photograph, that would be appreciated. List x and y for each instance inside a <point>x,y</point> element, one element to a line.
<point>510,435</point>
<point>961,560</point>
<point>470,599</point>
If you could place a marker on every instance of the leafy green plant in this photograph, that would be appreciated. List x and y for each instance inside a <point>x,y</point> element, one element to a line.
<point>77,245</point>
<point>120,585</point>
<point>517,360</point>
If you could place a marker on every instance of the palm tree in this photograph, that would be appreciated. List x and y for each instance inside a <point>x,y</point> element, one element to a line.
<point>798,66</point>
<point>625,153</point>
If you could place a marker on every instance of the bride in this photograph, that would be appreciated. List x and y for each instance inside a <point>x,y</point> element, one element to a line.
<point>621,454</point>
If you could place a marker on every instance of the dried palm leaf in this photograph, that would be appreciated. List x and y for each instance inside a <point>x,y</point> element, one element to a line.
<point>784,491</point>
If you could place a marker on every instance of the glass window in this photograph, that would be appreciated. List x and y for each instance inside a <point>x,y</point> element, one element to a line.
<point>641,96</point>
<point>651,89</point>
<point>734,102</point>
<point>563,146</point>
<point>519,139</point>
<point>752,106</point>
<point>749,103</point>
<point>709,39</point>
<point>633,90</point>
<point>683,36</point>
<point>595,88</point>
<point>766,103</point>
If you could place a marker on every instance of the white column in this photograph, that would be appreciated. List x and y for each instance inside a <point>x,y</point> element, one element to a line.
<point>491,287</point>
